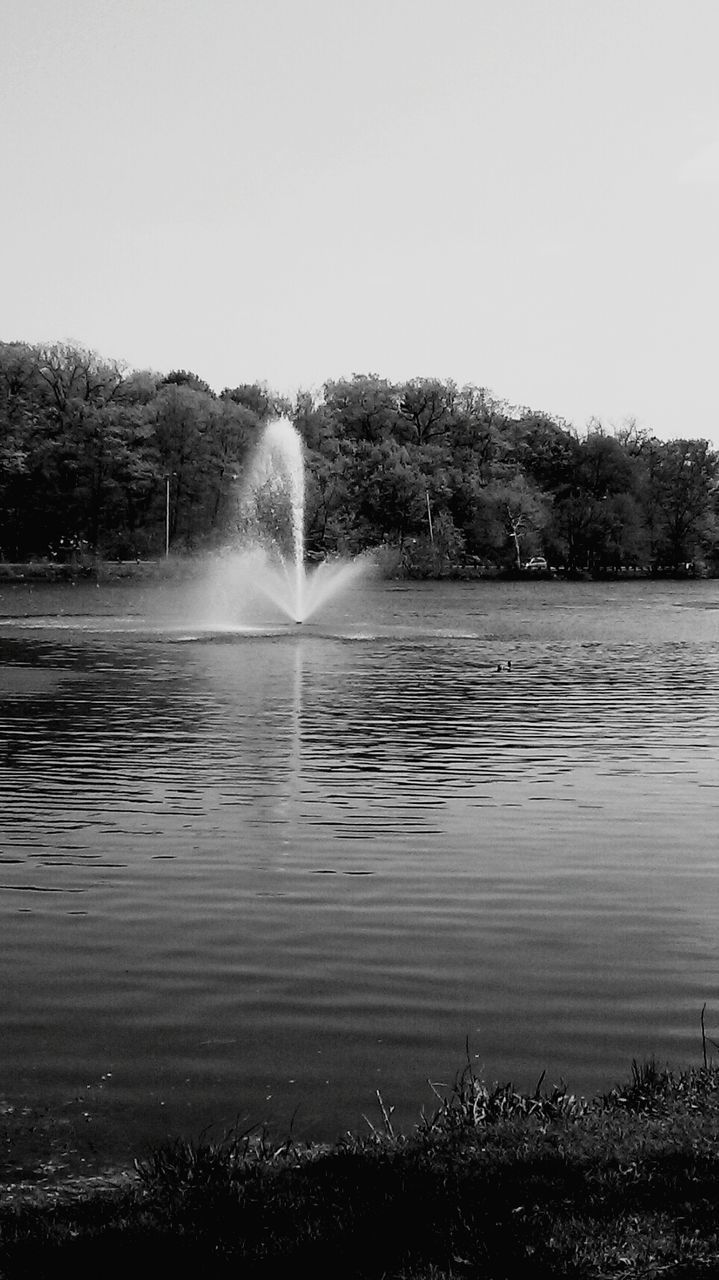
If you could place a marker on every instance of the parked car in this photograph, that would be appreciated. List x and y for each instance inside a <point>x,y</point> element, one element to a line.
<point>537,564</point>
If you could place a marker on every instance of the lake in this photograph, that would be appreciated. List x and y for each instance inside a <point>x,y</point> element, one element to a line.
<point>256,872</point>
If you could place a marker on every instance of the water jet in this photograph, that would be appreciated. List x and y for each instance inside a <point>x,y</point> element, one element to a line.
<point>271,531</point>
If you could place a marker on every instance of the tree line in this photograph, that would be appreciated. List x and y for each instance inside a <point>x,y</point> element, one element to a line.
<point>447,478</point>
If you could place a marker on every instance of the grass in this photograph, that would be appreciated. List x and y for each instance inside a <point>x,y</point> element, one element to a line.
<point>491,1183</point>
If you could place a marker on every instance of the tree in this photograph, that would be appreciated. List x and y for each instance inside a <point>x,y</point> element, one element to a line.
<point>437,553</point>
<point>231,432</point>
<point>596,516</point>
<point>682,477</point>
<point>634,440</point>
<point>426,407</point>
<point>476,433</point>
<point>257,397</point>
<point>362,409</point>
<point>179,415</point>
<point>519,510</point>
<point>389,492</point>
<point>550,453</point>
<point>17,374</point>
<point>57,396</point>
<point>76,375</point>
<point>185,378</point>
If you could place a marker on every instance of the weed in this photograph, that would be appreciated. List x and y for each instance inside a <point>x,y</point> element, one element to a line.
<point>491,1182</point>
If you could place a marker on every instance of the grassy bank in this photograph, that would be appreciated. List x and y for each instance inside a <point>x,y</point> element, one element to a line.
<point>491,1183</point>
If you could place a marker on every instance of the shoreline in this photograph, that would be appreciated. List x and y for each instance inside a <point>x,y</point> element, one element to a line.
<point>491,1183</point>
<point>177,568</point>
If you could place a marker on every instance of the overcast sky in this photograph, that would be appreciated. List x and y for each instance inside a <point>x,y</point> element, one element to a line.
<point>522,194</point>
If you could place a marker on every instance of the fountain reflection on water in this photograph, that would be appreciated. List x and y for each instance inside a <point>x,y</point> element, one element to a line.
<point>271,556</point>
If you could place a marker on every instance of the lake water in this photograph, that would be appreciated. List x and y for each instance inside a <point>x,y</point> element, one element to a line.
<point>260,873</point>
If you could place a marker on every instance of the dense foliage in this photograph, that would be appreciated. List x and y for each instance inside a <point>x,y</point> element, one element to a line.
<point>447,477</point>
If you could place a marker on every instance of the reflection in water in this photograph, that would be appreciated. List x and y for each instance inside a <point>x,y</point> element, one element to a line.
<point>245,872</point>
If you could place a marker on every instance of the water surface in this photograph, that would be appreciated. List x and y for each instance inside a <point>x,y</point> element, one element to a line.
<point>248,871</point>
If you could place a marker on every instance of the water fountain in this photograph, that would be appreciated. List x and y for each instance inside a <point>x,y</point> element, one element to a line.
<point>271,531</point>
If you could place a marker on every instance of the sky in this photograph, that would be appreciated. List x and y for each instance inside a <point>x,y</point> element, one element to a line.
<point>518,194</point>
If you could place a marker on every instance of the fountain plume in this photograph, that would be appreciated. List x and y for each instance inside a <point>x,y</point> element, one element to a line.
<point>272,520</point>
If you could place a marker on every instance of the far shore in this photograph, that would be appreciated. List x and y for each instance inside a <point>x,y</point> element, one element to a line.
<point>176,567</point>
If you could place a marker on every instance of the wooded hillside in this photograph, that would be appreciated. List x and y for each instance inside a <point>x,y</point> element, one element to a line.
<point>86,447</point>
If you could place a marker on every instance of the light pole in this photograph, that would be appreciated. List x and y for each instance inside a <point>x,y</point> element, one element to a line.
<point>429,517</point>
<point>168,479</point>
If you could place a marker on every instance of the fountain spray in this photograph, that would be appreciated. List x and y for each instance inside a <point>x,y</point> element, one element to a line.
<point>274,504</point>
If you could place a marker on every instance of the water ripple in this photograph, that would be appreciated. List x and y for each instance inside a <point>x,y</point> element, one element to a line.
<point>328,843</point>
